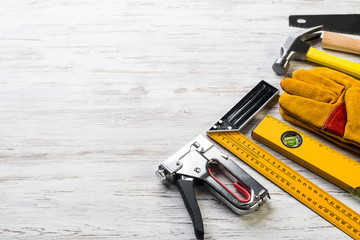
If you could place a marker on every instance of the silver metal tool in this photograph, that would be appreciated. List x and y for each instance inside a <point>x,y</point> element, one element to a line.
<point>295,48</point>
<point>194,163</point>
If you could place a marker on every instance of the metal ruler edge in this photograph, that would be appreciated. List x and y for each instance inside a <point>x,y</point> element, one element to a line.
<point>291,181</point>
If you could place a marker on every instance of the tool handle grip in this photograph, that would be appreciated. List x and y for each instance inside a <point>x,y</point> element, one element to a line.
<point>186,188</point>
<point>340,43</point>
<point>331,61</point>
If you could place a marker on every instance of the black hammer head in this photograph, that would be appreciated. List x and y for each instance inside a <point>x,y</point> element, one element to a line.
<point>295,48</point>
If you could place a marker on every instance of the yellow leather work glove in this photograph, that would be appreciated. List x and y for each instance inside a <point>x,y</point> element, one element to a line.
<point>326,102</point>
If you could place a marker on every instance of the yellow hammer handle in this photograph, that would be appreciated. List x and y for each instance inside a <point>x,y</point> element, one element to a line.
<point>322,58</point>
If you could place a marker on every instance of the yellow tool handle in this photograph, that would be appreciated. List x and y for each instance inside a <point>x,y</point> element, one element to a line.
<point>322,58</point>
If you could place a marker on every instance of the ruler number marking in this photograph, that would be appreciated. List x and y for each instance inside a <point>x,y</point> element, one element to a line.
<point>233,140</point>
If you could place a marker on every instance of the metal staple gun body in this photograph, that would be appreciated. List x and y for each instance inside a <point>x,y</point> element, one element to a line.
<point>298,48</point>
<point>194,164</point>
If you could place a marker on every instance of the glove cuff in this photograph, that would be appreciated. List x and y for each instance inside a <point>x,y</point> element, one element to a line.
<point>336,121</point>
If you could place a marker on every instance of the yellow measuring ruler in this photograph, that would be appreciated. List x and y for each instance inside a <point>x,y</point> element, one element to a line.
<point>291,181</point>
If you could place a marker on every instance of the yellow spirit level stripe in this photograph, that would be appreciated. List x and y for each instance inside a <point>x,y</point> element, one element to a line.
<point>291,181</point>
<point>311,154</point>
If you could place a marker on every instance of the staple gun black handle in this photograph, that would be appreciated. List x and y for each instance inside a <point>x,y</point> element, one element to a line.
<point>186,188</point>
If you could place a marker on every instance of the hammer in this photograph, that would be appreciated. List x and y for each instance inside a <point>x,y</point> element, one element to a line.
<point>298,49</point>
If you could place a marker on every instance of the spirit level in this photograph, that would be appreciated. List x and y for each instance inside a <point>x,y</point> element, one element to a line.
<point>309,153</point>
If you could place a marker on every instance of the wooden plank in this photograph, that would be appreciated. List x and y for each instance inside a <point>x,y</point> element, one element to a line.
<point>95,94</point>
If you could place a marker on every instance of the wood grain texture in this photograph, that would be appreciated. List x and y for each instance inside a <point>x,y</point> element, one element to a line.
<point>95,94</point>
<point>339,42</point>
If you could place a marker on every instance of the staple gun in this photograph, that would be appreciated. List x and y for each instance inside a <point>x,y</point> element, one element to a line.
<point>194,163</point>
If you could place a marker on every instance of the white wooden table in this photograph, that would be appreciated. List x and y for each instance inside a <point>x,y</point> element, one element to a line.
<point>95,94</point>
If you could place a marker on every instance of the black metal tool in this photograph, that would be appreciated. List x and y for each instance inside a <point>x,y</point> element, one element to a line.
<point>342,23</point>
<point>246,109</point>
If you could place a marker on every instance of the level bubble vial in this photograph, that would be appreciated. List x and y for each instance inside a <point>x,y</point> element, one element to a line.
<point>291,139</point>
